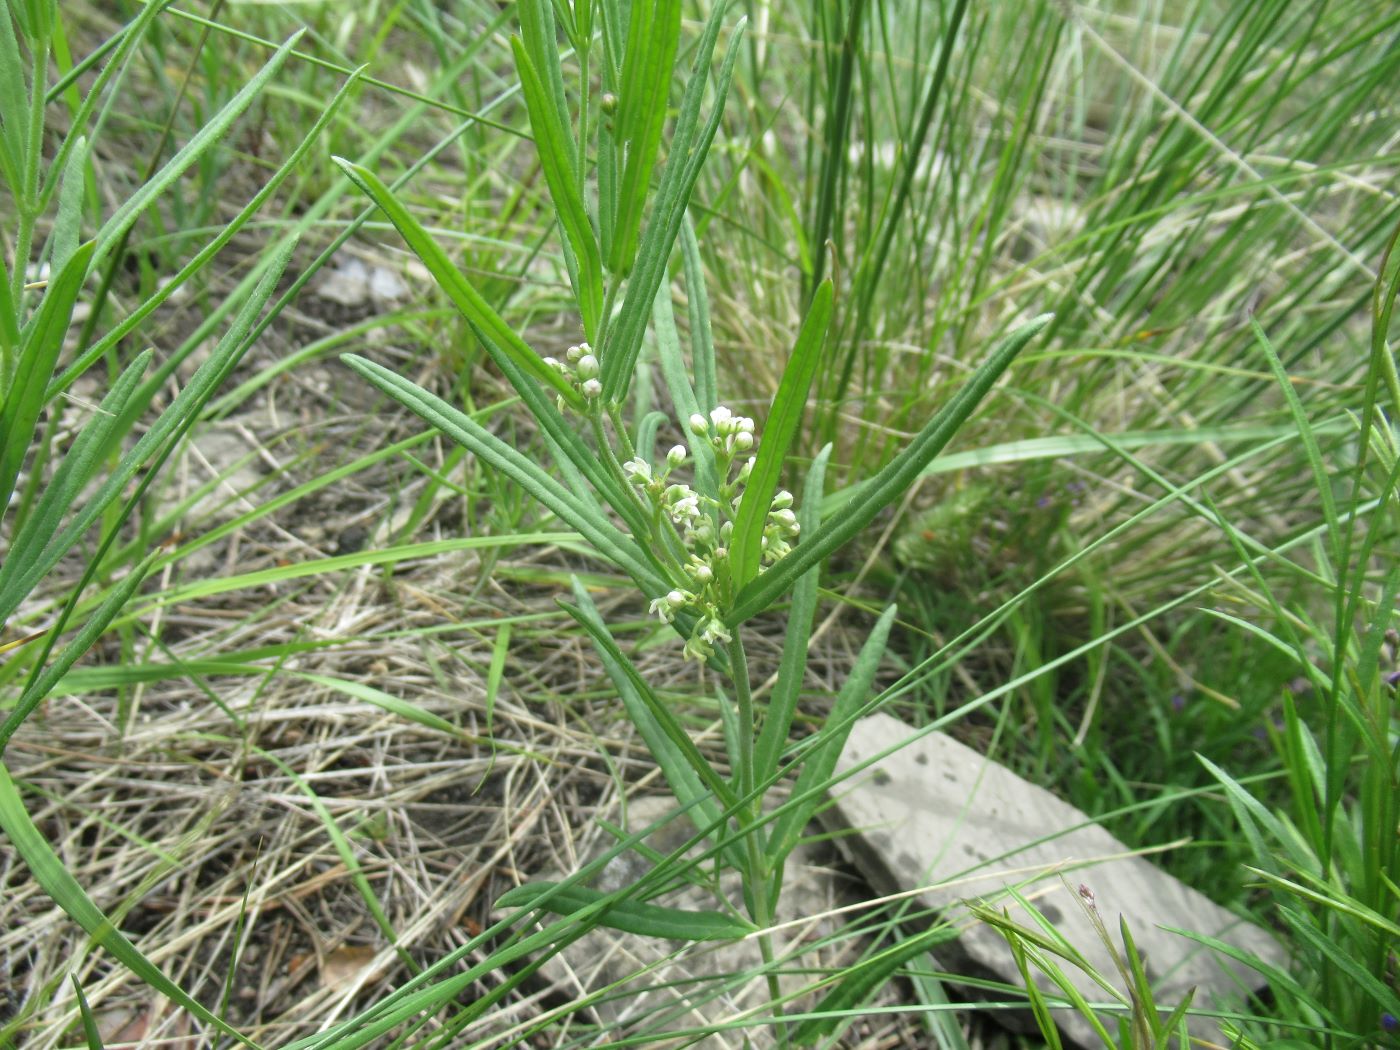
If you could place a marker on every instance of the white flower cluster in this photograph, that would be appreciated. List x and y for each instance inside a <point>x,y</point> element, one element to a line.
<point>580,368</point>
<point>706,525</point>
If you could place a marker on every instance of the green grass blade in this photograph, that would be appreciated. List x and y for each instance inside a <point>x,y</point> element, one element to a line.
<point>586,518</point>
<point>90,1032</point>
<point>653,35</point>
<point>43,682</point>
<point>178,417</point>
<point>41,343</point>
<point>79,467</point>
<point>648,920</point>
<point>689,146</point>
<point>887,485</point>
<point>560,172</point>
<point>498,335</point>
<point>130,322</point>
<point>53,877</point>
<point>779,432</point>
<point>862,981</point>
<point>792,666</point>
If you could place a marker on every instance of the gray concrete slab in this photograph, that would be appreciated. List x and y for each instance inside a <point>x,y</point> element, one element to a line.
<point>937,813</point>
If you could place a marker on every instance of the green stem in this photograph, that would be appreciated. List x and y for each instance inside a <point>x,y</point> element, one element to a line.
<point>758,891</point>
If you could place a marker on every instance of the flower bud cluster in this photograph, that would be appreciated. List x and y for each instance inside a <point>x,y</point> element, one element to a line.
<point>706,526</point>
<point>581,369</point>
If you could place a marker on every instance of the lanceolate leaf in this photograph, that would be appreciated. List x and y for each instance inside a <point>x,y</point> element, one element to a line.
<point>641,704</point>
<point>887,485</point>
<point>778,434</point>
<point>653,34</point>
<point>499,335</point>
<point>649,920</point>
<point>556,158</point>
<point>782,702</point>
<point>689,145</point>
<point>820,762</point>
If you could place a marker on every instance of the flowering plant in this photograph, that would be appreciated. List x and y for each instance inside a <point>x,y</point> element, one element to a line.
<point>704,530</point>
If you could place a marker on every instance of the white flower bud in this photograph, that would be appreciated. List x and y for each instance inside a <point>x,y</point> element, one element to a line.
<point>677,455</point>
<point>784,518</point>
<point>574,353</point>
<point>702,573</point>
<point>638,470</point>
<point>556,364</point>
<point>783,500</point>
<point>721,553</point>
<point>587,367</point>
<point>592,388</point>
<point>719,415</point>
<point>743,441</point>
<point>699,424</point>
<point>676,598</point>
<point>744,423</point>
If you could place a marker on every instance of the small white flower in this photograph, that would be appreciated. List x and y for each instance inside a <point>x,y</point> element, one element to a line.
<point>661,608</point>
<point>713,631</point>
<point>676,456</point>
<point>785,519</point>
<point>638,470</point>
<point>719,415</point>
<point>592,388</point>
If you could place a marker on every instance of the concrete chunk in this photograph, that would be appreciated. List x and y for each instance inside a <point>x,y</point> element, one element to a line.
<point>936,811</point>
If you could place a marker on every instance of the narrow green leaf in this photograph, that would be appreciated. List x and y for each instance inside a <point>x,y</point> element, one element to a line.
<point>676,736</point>
<point>90,1032</point>
<point>792,666</point>
<point>689,148</point>
<point>702,344</point>
<point>560,172</point>
<point>70,205</point>
<point>468,300</point>
<point>641,704</point>
<point>653,35</point>
<point>132,321</point>
<point>587,519</point>
<point>213,132</point>
<point>887,485</point>
<point>41,343</point>
<point>78,468</point>
<point>177,418</point>
<point>39,687</point>
<point>820,761</point>
<point>779,431</point>
<point>606,909</point>
<point>683,398</point>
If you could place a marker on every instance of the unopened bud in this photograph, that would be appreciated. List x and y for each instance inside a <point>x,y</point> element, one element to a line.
<point>587,367</point>
<point>676,456</point>
<point>699,423</point>
<point>608,103</point>
<point>592,388</point>
<point>743,441</point>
